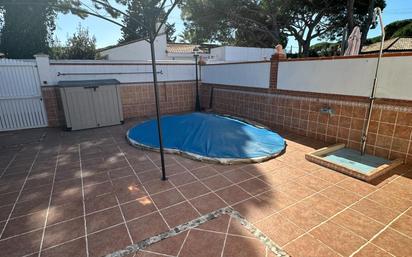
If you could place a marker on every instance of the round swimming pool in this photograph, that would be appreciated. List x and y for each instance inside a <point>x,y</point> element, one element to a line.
<point>209,137</point>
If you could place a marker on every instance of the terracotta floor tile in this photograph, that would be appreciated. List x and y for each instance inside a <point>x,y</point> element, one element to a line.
<point>371,250</point>
<point>338,238</point>
<point>174,168</point>
<point>254,186</point>
<point>295,190</point>
<point>94,191</point>
<point>202,244</point>
<point>307,246</point>
<point>108,241</point>
<point>179,214</point>
<point>390,201</point>
<point>9,198</point>
<point>276,200</point>
<point>324,205</point>
<point>168,198</point>
<point>340,195</point>
<point>73,248</point>
<point>182,178</point>
<point>121,172</point>
<point>254,209</point>
<point>129,193</point>
<point>313,182</point>
<point>204,172</point>
<point>64,212</point>
<point>303,215</point>
<point>233,194</point>
<point>329,175</point>
<point>217,182</point>
<point>149,175</point>
<point>207,203</point>
<point>21,245</point>
<point>193,190</point>
<point>243,247</point>
<point>375,211</point>
<point>237,175</point>
<point>279,229</point>
<point>217,225</point>
<point>226,168</point>
<point>190,164</point>
<point>169,246</point>
<point>27,207</point>
<point>254,169</point>
<point>103,219</point>
<point>399,190</point>
<point>157,186</point>
<point>138,208</point>
<point>403,225</point>
<point>357,186</point>
<point>146,227</point>
<point>24,224</point>
<point>96,178</point>
<point>62,232</point>
<point>5,211</point>
<point>101,202</point>
<point>394,242</point>
<point>357,223</point>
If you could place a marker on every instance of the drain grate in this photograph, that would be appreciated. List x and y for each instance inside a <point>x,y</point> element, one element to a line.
<point>197,222</point>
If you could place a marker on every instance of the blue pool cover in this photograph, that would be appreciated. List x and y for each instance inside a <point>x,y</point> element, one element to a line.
<point>210,137</point>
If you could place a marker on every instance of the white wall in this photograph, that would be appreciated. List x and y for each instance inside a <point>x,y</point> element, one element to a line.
<point>122,71</point>
<point>241,54</point>
<point>352,76</point>
<point>240,74</point>
<point>138,51</point>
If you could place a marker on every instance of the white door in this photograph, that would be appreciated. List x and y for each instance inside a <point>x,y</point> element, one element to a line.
<point>21,102</point>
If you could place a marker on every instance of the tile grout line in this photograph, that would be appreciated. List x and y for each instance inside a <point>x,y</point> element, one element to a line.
<point>83,201</point>
<point>121,212</point>
<point>50,200</point>
<point>380,232</point>
<point>9,163</point>
<point>21,190</point>
<point>184,241</point>
<point>224,241</point>
<point>147,192</point>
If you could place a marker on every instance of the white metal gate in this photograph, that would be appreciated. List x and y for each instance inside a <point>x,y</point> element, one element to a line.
<point>21,102</point>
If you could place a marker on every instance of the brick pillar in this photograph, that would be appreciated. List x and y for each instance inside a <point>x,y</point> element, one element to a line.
<point>274,65</point>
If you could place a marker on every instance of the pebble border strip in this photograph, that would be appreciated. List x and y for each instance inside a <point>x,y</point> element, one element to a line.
<point>197,222</point>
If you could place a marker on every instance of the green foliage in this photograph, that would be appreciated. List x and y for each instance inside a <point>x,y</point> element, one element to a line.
<point>324,49</point>
<point>405,31</point>
<point>393,28</point>
<point>80,46</point>
<point>27,27</point>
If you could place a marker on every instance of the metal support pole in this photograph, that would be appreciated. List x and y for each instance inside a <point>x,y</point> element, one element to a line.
<point>372,98</point>
<point>197,107</point>
<point>156,91</point>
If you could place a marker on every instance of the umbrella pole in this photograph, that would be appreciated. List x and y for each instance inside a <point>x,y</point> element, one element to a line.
<point>372,98</point>
<point>156,91</point>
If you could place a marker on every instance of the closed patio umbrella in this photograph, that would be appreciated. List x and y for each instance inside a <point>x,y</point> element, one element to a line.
<point>354,42</point>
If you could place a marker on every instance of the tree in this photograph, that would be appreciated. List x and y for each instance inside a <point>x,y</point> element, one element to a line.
<point>27,27</point>
<point>80,46</point>
<point>242,22</point>
<point>141,10</point>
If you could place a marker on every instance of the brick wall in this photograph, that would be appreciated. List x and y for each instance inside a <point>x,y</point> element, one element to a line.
<point>137,100</point>
<point>390,130</point>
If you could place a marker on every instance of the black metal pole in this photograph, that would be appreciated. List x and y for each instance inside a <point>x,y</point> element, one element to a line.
<point>197,107</point>
<point>156,91</point>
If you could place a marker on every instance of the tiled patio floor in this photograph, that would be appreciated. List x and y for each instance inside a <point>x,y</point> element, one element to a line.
<point>89,193</point>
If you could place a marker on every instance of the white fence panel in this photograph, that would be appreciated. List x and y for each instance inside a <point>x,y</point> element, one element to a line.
<point>352,76</point>
<point>256,74</point>
<point>21,103</point>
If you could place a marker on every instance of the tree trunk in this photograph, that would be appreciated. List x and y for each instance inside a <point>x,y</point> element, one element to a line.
<point>349,17</point>
<point>306,48</point>
<point>366,25</point>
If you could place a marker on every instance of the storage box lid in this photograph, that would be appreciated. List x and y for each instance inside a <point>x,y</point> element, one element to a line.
<point>83,83</point>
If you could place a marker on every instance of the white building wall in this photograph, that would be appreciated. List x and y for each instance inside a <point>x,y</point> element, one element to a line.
<point>138,51</point>
<point>240,54</point>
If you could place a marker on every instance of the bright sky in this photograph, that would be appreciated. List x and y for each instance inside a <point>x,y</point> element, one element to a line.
<point>109,34</point>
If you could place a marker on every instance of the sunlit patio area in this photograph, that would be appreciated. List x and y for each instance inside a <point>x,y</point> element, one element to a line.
<point>90,193</point>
